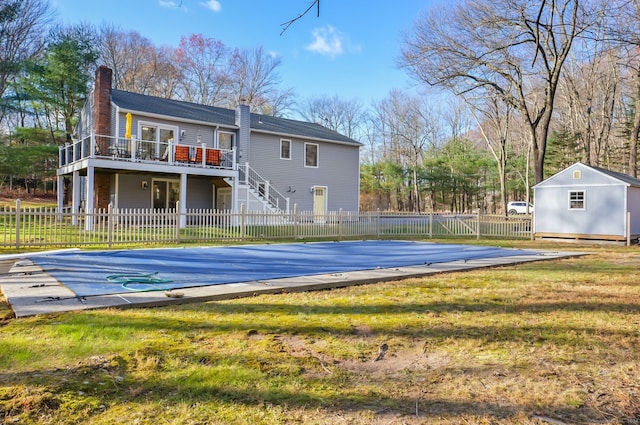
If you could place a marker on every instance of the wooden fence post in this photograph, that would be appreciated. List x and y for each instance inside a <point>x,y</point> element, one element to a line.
<point>177,220</point>
<point>243,222</point>
<point>628,228</point>
<point>532,224</point>
<point>18,223</point>
<point>296,222</point>
<point>110,220</point>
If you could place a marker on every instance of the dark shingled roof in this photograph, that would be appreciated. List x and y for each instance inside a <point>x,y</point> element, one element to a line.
<point>222,116</point>
<point>632,181</point>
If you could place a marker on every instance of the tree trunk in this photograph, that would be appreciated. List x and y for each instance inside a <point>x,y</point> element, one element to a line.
<point>635,131</point>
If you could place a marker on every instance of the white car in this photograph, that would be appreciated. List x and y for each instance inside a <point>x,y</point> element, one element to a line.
<point>519,207</point>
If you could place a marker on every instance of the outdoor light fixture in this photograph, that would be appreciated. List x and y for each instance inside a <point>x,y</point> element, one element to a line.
<point>313,188</point>
<point>144,185</point>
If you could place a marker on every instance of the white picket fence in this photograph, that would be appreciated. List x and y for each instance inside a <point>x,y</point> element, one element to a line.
<point>22,228</point>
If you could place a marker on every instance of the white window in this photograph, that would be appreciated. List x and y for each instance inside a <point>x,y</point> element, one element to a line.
<point>285,149</point>
<point>576,200</point>
<point>310,155</point>
<point>154,140</point>
<point>226,140</point>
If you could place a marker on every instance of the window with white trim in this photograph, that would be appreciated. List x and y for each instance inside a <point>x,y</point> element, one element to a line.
<point>226,140</point>
<point>285,149</point>
<point>310,155</point>
<point>154,140</point>
<point>576,199</point>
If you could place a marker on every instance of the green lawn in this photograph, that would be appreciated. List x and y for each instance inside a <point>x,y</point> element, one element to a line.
<point>547,342</point>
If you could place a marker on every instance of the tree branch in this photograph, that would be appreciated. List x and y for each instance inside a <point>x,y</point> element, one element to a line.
<point>287,24</point>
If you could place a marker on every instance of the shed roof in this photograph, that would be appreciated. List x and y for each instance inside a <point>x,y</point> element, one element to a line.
<point>176,109</point>
<point>620,177</point>
<point>632,181</point>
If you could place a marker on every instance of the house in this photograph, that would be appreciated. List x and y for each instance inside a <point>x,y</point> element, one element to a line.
<point>585,202</point>
<point>139,151</point>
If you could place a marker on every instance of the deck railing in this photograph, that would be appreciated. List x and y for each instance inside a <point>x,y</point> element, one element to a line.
<point>24,228</point>
<point>149,151</point>
<point>262,187</point>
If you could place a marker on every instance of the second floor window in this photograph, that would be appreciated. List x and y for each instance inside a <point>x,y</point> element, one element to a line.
<point>310,155</point>
<point>226,140</point>
<point>285,149</point>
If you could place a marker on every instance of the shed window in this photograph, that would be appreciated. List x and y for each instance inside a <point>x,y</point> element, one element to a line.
<point>576,200</point>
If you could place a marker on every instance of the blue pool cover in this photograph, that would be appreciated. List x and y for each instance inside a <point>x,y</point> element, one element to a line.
<point>92,273</point>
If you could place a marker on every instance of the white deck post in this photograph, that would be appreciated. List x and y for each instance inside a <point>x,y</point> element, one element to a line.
<point>182,204</point>
<point>89,205</point>
<point>60,196</point>
<point>234,192</point>
<point>75,197</point>
<point>134,148</point>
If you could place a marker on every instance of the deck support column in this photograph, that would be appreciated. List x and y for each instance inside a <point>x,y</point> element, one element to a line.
<point>75,197</point>
<point>182,205</point>
<point>60,195</point>
<point>89,205</point>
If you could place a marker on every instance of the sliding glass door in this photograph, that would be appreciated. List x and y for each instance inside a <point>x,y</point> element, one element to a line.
<point>166,193</point>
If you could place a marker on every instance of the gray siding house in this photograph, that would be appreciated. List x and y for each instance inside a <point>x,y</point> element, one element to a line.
<point>139,151</point>
<point>585,202</point>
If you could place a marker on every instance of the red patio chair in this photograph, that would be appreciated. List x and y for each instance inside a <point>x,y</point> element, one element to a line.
<point>182,153</point>
<point>213,157</point>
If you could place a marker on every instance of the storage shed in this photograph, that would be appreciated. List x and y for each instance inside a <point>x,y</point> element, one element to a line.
<point>585,202</point>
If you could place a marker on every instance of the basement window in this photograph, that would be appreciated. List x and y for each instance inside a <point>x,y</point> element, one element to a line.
<point>576,200</point>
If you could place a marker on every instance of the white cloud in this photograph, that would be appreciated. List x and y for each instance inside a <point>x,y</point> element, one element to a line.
<point>213,5</point>
<point>177,4</point>
<point>327,41</point>
<point>169,3</point>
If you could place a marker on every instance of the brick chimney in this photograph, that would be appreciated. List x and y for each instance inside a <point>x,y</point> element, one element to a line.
<point>102,107</point>
<point>102,128</point>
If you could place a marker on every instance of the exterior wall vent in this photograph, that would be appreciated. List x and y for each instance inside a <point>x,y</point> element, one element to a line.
<point>577,175</point>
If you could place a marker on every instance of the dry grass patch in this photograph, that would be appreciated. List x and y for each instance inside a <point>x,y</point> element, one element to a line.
<point>548,342</point>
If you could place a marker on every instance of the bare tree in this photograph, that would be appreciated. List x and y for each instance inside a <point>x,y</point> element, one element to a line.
<point>204,68</point>
<point>512,47</point>
<point>343,116</point>
<point>411,125</point>
<point>494,117</point>
<point>587,99</point>
<point>138,65</point>
<point>624,29</point>
<point>254,79</point>
<point>23,24</point>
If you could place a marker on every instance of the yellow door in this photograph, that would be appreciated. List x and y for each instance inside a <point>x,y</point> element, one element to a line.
<point>320,204</point>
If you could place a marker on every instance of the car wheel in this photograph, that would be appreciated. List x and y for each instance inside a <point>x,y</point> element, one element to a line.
<point>513,212</point>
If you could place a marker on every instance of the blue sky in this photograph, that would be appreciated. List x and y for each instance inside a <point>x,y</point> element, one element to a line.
<point>350,51</point>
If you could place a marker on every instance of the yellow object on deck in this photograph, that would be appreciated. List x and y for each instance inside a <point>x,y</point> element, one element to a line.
<point>127,128</point>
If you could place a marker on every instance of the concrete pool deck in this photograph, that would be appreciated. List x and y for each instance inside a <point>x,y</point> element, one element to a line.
<point>30,291</point>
